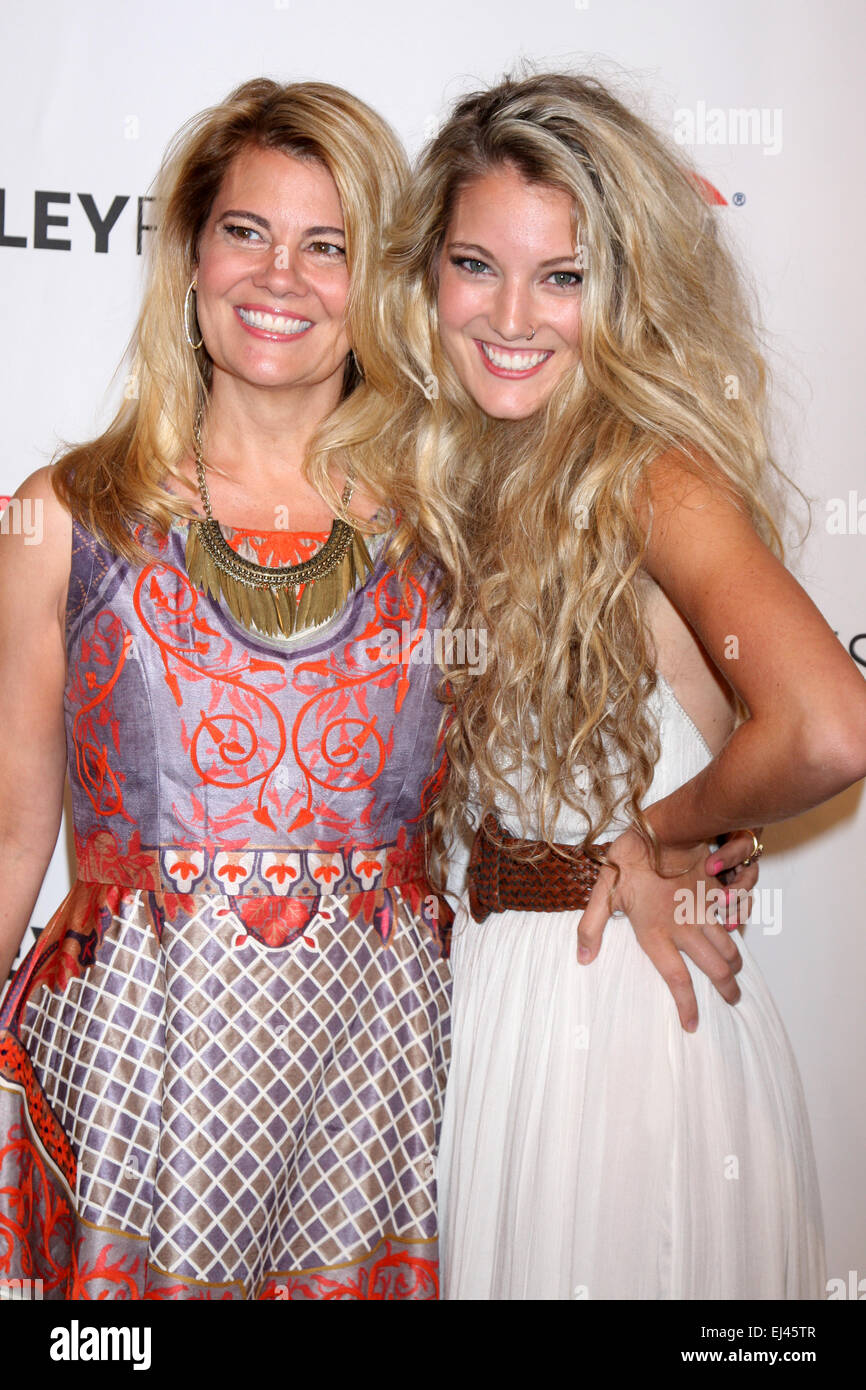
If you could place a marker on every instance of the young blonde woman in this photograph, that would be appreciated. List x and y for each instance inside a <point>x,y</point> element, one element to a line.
<point>567,318</point>
<point>221,1066</point>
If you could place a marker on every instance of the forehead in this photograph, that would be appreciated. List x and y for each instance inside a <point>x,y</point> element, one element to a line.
<point>275,185</point>
<point>502,206</point>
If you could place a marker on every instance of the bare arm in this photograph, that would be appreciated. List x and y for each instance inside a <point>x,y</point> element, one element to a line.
<point>710,702</point>
<point>805,739</point>
<point>33,584</point>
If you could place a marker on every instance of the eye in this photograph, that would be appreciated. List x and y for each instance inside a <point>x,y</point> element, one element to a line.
<point>238,232</point>
<point>327,248</point>
<point>470,264</point>
<point>566,279</point>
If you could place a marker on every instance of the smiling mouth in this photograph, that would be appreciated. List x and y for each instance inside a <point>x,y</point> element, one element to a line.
<point>280,324</point>
<point>505,362</point>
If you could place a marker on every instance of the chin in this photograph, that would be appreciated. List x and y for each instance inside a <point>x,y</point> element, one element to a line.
<point>515,414</point>
<point>499,409</point>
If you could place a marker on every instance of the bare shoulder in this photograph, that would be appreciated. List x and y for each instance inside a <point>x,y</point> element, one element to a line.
<point>679,487</point>
<point>702,544</point>
<point>45,514</point>
<point>35,546</point>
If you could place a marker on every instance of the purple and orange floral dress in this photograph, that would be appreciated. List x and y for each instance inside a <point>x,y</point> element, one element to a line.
<point>221,1065</point>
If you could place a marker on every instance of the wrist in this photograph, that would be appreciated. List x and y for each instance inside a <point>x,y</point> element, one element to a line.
<point>677,853</point>
<point>673,859</point>
<point>681,858</point>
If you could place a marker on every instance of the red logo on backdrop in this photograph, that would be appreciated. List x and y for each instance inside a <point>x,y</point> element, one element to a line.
<point>710,192</point>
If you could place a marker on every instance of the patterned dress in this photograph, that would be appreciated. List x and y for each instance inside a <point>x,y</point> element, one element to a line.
<point>221,1066</point>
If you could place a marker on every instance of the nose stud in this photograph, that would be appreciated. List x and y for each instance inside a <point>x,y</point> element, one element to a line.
<point>531,335</point>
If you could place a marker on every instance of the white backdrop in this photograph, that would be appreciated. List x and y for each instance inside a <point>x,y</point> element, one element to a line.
<point>92,91</point>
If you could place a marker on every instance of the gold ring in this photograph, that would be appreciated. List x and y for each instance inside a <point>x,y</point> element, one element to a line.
<point>757,849</point>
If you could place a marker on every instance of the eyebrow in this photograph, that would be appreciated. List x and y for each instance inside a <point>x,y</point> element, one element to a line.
<point>263,222</point>
<point>488,255</point>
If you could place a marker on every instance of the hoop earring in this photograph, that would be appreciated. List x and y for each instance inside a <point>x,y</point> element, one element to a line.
<point>190,289</point>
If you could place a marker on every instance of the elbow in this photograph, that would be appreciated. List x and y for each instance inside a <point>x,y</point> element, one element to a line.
<point>839,752</point>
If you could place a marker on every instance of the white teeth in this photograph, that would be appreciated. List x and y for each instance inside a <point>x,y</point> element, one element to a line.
<point>272,323</point>
<point>513,361</point>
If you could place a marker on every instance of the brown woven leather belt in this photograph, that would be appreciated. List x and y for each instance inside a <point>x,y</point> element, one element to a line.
<point>551,883</point>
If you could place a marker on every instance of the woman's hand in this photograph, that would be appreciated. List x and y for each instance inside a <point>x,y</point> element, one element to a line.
<point>665,914</point>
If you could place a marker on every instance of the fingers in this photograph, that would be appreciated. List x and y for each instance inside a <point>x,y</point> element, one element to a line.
<point>592,922</point>
<point>737,909</point>
<point>726,863</point>
<point>722,939</point>
<point>742,878</point>
<point>714,964</point>
<point>674,971</point>
<point>671,945</point>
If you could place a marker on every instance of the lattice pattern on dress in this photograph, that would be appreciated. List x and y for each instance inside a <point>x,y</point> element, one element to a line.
<point>278,1151</point>
<point>261,1111</point>
<point>99,1049</point>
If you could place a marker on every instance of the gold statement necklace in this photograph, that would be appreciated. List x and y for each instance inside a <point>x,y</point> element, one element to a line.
<point>264,598</point>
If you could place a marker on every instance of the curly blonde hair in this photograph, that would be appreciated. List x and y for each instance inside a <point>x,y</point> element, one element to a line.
<point>117,480</point>
<point>535,521</point>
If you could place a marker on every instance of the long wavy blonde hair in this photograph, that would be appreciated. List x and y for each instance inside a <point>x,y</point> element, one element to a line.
<point>535,521</point>
<point>117,480</point>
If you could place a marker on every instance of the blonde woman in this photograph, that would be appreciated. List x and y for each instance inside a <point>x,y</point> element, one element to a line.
<point>568,317</point>
<point>222,1063</point>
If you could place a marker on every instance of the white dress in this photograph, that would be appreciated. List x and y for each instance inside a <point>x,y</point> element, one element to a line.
<point>591,1148</point>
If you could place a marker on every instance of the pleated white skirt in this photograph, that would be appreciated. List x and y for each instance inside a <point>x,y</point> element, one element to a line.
<point>593,1149</point>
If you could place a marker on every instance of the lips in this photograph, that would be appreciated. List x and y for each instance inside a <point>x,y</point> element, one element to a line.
<point>270,324</point>
<point>509,362</point>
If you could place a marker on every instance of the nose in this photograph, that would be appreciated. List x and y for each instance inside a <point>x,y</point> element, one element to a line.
<point>280,272</point>
<point>510,316</point>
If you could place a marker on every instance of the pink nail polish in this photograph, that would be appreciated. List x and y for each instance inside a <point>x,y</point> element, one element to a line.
<point>716,865</point>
